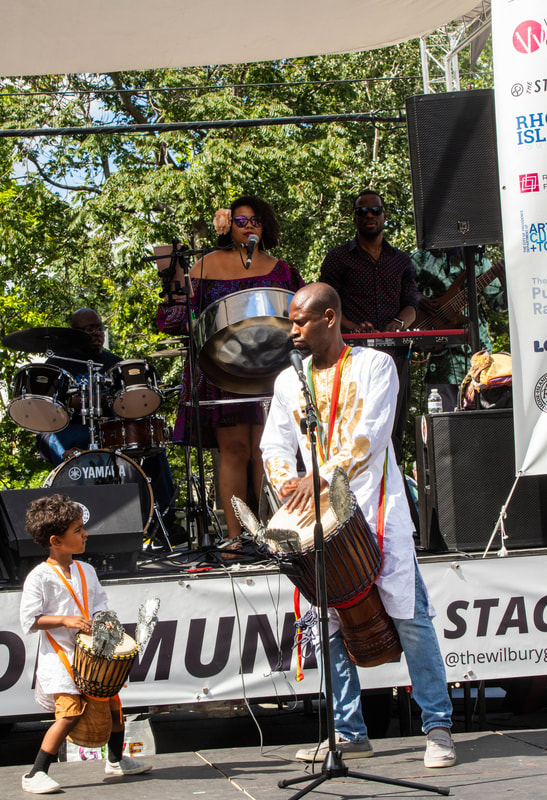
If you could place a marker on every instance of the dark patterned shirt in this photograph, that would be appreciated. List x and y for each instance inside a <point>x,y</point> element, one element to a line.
<point>371,291</point>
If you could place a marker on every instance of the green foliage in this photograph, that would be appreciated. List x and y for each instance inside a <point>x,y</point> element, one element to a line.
<point>78,213</point>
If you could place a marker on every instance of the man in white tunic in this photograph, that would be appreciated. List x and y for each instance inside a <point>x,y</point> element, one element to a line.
<point>355,395</point>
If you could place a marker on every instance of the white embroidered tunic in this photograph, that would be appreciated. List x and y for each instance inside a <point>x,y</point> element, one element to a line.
<point>364,420</point>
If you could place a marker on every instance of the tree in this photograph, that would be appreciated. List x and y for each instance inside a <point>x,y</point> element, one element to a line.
<point>80,212</point>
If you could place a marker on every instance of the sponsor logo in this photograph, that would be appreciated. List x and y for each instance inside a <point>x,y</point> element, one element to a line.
<point>531,128</point>
<point>531,87</point>
<point>94,472</point>
<point>529,36</point>
<point>540,393</point>
<point>529,182</point>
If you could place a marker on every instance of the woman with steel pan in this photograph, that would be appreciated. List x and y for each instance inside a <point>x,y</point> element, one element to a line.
<point>236,428</point>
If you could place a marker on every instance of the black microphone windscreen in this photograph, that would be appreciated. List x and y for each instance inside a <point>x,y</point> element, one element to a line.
<point>296,360</point>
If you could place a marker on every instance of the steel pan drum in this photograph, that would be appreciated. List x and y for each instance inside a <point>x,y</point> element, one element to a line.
<point>243,339</point>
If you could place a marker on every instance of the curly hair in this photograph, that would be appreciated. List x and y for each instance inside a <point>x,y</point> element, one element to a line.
<point>262,209</point>
<point>51,516</point>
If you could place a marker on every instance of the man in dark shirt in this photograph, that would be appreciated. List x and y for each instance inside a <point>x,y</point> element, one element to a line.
<point>377,286</point>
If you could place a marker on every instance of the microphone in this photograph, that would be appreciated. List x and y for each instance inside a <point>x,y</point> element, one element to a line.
<point>252,242</point>
<point>296,360</point>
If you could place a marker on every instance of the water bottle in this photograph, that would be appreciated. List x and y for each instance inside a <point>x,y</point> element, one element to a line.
<point>434,402</point>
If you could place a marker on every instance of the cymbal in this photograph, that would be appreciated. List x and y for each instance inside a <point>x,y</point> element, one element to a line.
<point>175,351</point>
<point>174,340</point>
<point>40,340</point>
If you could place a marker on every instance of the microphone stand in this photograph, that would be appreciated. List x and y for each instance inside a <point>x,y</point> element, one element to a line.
<point>333,766</point>
<point>173,288</point>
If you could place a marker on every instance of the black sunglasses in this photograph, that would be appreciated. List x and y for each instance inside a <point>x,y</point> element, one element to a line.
<point>362,211</point>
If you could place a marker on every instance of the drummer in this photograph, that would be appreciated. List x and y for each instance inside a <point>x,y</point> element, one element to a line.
<point>234,429</point>
<point>355,395</point>
<point>56,447</point>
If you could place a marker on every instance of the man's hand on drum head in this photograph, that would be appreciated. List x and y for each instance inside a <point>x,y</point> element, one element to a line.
<point>300,493</point>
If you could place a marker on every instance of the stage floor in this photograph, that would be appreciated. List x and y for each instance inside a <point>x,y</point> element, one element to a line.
<point>490,765</point>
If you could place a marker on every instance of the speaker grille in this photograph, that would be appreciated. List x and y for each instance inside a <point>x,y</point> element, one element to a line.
<point>466,476</point>
<point>454,166</point>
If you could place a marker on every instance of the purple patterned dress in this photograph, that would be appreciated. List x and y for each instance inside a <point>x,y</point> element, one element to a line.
<point>173,319</point>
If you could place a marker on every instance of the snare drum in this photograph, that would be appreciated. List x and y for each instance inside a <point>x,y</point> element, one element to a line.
<point>40,398</point>
<point>98,676</point>
<point>352,557</point>
<point>97,467</point>
<point>138,437</point>
<point>134,389</point>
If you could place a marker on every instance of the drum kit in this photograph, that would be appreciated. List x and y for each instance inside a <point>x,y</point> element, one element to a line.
<point>41,398</point>
<point>241,342</point>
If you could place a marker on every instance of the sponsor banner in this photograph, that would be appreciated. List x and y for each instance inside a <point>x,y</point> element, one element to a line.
<point>519,30</point>
<point>225,638</point>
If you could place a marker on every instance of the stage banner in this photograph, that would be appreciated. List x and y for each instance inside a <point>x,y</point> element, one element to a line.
<point>519,30</point>
<point>228,638</point>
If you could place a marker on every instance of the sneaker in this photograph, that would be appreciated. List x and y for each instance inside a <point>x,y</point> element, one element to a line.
<point>126,766</point>
<point>40,783</point>
<point>361,749</point>
<point>440,750</point>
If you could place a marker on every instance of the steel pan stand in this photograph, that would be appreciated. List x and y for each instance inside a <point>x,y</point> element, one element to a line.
<point>181,255</point>
<point>333,765</point>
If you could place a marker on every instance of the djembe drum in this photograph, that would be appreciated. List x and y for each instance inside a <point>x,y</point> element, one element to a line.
<point>99,679</point>
<point>352,563</point>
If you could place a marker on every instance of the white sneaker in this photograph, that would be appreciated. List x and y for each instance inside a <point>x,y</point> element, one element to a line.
<point>40,783</point>
<point>361,749</point>
<point>440,750</point>
<point>126,766</point>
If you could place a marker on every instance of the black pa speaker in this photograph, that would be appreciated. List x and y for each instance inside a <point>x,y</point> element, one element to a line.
<point>454,166</point>
<point>466,469</point>
<point>112,518</point>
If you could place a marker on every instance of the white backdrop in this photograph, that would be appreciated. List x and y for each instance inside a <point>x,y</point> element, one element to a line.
<point>63,36</point>
<point>520,69</point>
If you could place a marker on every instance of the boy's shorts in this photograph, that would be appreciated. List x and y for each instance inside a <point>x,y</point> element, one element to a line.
<point>73,705</point>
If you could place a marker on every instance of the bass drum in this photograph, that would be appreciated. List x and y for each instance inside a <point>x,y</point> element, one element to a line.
<point>99,467</point>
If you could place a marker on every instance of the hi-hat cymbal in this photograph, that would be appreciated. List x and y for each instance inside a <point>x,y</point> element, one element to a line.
<point>174,340</point>
<point>40,340</point>
<point>172,353</point>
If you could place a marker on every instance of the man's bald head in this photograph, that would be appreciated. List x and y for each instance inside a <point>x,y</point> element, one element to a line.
<point>83,317</point>
<point>88,321</point>
<point>317,297</point>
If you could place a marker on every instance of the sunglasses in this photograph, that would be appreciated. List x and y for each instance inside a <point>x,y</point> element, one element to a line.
<point>256,222</point>
<point>362,211</point>
<point>92,328</point>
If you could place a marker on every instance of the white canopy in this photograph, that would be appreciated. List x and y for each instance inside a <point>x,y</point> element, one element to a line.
<point>71,36</point>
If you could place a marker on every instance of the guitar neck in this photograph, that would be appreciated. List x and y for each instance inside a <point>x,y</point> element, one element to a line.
<point>457,302</point>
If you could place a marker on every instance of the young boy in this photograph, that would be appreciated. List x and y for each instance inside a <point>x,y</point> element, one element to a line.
<point>61,596</point>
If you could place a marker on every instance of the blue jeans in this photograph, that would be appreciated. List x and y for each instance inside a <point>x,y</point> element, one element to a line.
<point>425,665</point>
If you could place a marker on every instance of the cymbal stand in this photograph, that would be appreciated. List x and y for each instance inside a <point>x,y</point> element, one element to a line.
<point>170,288</point>
<point>90,395</point>
<point>333,765</point>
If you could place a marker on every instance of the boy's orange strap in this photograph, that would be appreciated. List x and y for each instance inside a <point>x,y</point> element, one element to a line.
<point>85,608</point>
